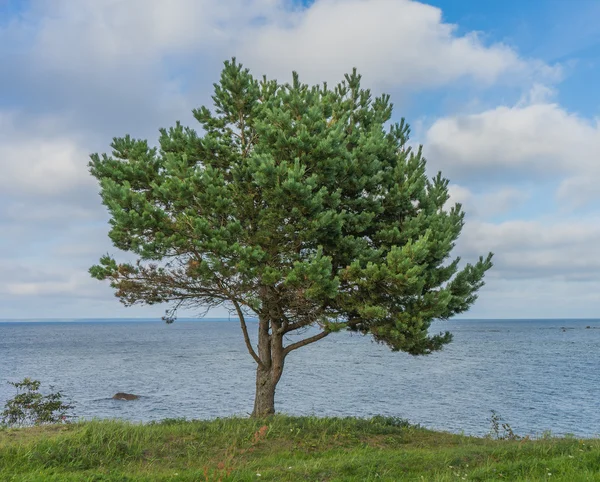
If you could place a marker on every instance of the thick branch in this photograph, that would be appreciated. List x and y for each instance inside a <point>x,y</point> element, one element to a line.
<point>295,326</point>
<point>245,331</point>
<point>305,319</point>
<point>305,342</point>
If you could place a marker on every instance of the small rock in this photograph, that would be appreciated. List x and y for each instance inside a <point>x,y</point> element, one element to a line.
<point>125,396</point>
<point>588,327</point>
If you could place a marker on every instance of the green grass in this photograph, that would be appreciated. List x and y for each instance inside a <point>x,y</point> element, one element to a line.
<point>284,449</point>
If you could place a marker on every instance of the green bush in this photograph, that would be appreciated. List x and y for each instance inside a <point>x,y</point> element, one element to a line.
<point>29,407</point>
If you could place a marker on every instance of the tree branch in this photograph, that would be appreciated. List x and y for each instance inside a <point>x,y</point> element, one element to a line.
<point>245,331</point>
<point>305,342</point>
<point>295,326</point>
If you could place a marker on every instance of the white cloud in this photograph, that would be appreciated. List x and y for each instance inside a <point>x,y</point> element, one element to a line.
<point>103,32</point>
<point>393,42</point>
<point>489,203</point>
<point>501,201</point>
<point>579,191</point>
<point>458,194</point>
<point>41,166</point>
<point>537,137</point>
<point>543,297</point>
<point>532,140</point>
<point>532,234</point>
<point>37,161</point>
<point>37,289</point>
<point>397,43</point>
<point>26,277</point>
<point>566,250</point>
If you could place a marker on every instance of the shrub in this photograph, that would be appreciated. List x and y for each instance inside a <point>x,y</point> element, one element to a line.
<point>29,407</point>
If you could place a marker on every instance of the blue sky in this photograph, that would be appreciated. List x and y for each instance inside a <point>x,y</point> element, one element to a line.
<point>502,94</point>
<point>552,30</point>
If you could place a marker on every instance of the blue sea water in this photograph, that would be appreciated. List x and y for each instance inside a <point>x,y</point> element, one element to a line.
<point>538,375</point>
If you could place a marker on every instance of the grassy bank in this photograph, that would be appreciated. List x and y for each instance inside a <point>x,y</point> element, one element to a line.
<point>283,449</point>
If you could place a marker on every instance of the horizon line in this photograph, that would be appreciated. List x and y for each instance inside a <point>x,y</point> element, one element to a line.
<point>221,318</point>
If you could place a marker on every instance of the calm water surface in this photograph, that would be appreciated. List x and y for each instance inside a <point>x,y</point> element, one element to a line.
<point>538,375</point>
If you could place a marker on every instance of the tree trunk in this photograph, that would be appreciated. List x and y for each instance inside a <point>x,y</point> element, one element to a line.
<point>264,400</point>
<point>270,368</point>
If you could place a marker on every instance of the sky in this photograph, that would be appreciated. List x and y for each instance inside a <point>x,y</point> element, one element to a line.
<point>502,94</point>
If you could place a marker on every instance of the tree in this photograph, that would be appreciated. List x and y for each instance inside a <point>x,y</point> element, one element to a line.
<point>302,206</point>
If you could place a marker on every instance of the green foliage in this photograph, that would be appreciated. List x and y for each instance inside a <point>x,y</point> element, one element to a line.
<point>284,448</point>
<point>304,205</point>
<point>29,407</point>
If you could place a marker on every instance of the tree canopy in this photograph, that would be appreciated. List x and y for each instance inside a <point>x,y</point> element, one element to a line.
<point>300,205</point>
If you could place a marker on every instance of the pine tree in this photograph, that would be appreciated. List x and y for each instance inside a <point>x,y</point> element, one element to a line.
<point>302,206</point>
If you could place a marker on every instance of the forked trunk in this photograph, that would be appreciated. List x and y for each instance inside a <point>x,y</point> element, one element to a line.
<point>269,370</point>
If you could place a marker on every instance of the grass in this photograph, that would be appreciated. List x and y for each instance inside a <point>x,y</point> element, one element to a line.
<point>284,449</point>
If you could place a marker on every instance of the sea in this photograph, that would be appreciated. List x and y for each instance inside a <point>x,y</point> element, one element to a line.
<point>538,376</point>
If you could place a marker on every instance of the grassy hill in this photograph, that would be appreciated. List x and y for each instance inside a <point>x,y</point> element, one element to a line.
<point>284,449</point>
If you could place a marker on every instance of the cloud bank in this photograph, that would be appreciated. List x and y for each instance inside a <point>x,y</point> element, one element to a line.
<point>83,72</point>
